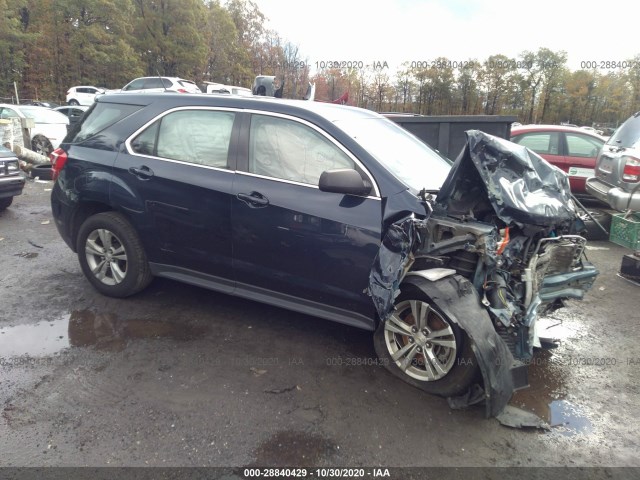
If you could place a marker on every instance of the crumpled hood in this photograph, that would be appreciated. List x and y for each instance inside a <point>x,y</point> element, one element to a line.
<point>520,185</point>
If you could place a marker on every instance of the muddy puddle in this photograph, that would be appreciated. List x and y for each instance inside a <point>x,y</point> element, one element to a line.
<point>38,340</point>
<point>547,396</point>
<point>85,328</point>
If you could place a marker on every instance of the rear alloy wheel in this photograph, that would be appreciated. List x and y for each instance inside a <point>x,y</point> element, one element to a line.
<point>111,255</point>
<point>41,145</point>
<point>420,345</point>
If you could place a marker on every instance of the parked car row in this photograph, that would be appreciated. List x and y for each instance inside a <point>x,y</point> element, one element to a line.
<point>86,94</point>
<point>573,150</point>
<point>607,169</point>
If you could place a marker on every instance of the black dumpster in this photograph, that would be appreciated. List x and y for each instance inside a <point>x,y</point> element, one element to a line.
<point>445,133</point>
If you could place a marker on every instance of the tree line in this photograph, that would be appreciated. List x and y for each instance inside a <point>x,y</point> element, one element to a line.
<point>47,46</point>
<point>537,87</point>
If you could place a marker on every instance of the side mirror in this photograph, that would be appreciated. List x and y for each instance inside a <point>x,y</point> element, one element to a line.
<point>345,180</point>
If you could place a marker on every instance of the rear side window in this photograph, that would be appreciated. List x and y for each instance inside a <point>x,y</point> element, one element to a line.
<point>201,137</point>
<point>6,113</point>
<point>154,82</point>
<point>582,145</point>
<point>135,85</point>
<point>628,134</point>
<point>99,117</point>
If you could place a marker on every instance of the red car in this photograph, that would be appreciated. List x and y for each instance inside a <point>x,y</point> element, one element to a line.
<point>573,150</point>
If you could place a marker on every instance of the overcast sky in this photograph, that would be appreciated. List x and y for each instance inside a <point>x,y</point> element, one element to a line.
<point>412,30</point>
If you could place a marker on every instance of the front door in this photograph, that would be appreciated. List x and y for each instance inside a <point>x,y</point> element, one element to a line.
<point>293,242</point>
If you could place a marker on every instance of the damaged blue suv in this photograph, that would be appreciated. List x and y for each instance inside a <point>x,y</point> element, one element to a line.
<point>332,211</point>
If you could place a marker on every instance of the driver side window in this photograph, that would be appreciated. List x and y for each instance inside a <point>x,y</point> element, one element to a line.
<point>289,150</point>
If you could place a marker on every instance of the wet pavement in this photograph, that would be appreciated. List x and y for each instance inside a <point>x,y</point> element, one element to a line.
<point>181,376</point>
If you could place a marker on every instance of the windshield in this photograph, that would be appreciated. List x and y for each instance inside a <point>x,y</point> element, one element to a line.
<point>409,159</point>
<point>43,115</point>
<point>628,134</point>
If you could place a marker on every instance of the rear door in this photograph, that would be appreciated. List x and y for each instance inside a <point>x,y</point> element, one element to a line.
<point>293,244</point>
<point>175,182</point>
<point>581,152</point>
<point>155,84</point>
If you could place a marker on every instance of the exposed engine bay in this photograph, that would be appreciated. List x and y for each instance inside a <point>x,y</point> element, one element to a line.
<point>518,277</point>
<point>504,222</point>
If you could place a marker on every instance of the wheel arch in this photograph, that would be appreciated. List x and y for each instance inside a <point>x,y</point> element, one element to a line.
<point>85,210</point>
<point>456,297</point>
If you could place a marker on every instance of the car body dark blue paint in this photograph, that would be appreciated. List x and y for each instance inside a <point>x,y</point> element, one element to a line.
<point>306,249</point>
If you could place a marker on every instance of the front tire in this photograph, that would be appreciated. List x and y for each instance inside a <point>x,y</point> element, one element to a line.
<point>112,256</point>
<point>73,102</point>
<point>422,346</point>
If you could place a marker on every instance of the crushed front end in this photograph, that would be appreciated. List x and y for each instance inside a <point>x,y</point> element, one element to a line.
<point>505,220</point>
<point>505,228</point>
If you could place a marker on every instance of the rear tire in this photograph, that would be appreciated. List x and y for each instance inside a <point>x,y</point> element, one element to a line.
<point>44,171</point>
<point>112,256</point>
<point>5,203</point>
<point>433,354</point>
<point>594,232</point>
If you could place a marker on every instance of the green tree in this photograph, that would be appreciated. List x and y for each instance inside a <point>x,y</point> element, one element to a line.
<point>496,73</point>
<point>12,40</point>
<point>467,92</point>
<point>171,37</point>
<point>249,22</point>
<point>223,45</point>
<point>553,68</point>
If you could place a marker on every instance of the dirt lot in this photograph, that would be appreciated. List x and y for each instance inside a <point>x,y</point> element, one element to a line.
<point>181,376</point>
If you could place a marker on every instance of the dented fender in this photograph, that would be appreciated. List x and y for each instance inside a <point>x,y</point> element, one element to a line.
<point>456,297</point>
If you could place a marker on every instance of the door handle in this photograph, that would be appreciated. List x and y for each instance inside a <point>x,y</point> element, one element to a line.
<point>143,173</point>
<point>253,199</point>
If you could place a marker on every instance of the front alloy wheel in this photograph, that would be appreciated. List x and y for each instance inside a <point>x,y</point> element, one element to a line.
<point>106,256</point>
<point>422,346</point>
<point>420,341</point>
